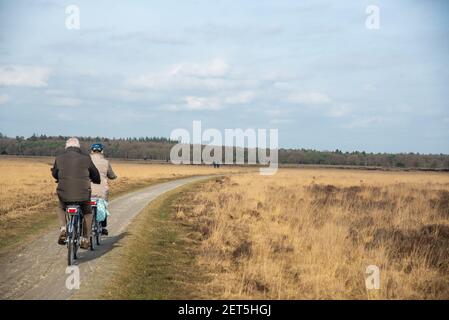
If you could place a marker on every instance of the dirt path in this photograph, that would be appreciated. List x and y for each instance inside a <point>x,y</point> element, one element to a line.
<point>38,270</point>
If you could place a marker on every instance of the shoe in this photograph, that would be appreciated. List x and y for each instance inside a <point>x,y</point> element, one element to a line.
<point>62,237</point>
<point>85,243</point>
<point>104,231</point>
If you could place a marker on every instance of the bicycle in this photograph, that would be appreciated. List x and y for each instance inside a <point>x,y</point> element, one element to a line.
<point>74,230</point>
<point>95,237</point>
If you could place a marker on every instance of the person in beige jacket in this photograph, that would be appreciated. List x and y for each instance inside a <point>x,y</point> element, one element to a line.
<point>104,167</point>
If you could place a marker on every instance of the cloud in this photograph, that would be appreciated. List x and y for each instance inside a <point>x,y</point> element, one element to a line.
<point>4,98</point>
<point>215,68</point>
<point>240,97</point>
<point>309,98</point>
<point>209,75</point>
<point>363,122</point>
<point>65,102</point>
<point>202,103</point>
<point>320,102</point>
<point>337,111</point>
<point>146,37</point>
<point>282,85</point>
<point>171,107</point>
<point>24,76</point>
<point>163,81</point>
<point>212,32</point>
<point>196,103</point>
<point>54,92</point>
<point>277,112</point>
<point>279,115</point>
<point>277,121</point>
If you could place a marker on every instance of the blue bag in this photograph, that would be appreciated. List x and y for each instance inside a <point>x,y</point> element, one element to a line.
<point>102,209</point>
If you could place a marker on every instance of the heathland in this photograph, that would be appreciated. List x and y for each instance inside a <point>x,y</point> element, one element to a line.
<point>300,234</point>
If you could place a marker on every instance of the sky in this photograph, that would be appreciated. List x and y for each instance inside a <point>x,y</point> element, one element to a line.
<point>311,69</point>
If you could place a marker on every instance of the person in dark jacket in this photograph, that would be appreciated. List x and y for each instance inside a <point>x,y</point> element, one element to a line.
<point>74,171</point>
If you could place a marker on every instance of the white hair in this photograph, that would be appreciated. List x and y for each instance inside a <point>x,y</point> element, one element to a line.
<point>72,142</point>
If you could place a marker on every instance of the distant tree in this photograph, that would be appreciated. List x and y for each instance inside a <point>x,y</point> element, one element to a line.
<point>400,164</point>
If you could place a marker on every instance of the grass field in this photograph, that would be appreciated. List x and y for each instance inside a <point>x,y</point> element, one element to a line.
<point>28,192</point>
<point>300,234</point>
<point>303,234</point>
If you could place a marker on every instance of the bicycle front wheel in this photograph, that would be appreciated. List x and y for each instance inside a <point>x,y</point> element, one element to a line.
<point>92,241</point>
<point>71,242</point>
<point>77,236</point>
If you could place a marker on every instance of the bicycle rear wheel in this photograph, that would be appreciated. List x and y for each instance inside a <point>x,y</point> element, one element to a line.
<point>77,236</point>
<point>70,251</point>
<point>71,242</point>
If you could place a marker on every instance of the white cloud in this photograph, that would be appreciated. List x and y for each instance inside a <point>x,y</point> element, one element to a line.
<point>208,75</point>
<point>277,121</point>
<point>202,103</point>
<point>195,103</point>
<point>279,76</point>
<point>279,115</point>
<point>240,97</point>
<point>309,98</point>
<point>273,112</point>
<point>4,98</point>
<point>283,85</point>
<point>337,111</point>
<point>166,81</point>
<point>277,112</point>
<point>320,102</point>
<point>54,92</point>
<point>24,76</point>
<point>369,87</point>
<point>65,102</point>
<point>363,122</point>
<point>215,68</point>
<point>171,107</point>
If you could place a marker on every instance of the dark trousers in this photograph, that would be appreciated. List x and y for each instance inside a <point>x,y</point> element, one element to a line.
<point>86,210</point>
<point>85,206</point>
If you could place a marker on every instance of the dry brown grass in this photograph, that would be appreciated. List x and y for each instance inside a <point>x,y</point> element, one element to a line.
<point>311,233</point>
<point>28,192</point>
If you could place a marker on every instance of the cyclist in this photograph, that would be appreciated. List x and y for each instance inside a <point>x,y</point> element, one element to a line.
<point>74,170</point>
<point>104,167</point>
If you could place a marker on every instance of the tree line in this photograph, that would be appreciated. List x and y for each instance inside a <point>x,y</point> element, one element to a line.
<point>158,148</point>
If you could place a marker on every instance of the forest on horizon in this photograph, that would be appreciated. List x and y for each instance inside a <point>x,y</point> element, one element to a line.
<point>158,148</point>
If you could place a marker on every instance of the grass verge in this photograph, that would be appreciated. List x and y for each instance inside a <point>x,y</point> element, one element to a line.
<point>157,260</point>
